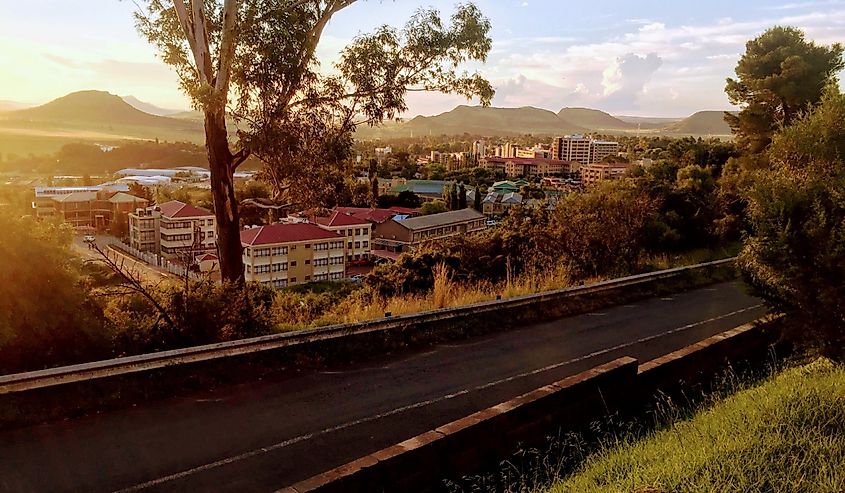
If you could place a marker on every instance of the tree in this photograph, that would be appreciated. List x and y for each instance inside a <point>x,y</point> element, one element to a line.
<point>141,191</point>
<point>454,201</point>
<point>795,254</point>
<point>265,51</point>
<point>433,207</point>
<point>780,75</point>
<point>462,197</point>
<point>476,201</point>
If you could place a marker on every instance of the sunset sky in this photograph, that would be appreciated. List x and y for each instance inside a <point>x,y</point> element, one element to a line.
<point>648,57</point>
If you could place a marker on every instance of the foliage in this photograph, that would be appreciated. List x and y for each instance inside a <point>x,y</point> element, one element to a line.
<point>405,198</point>
<point>203,313</point>
<point>786,435</point>
<point>795,254</point>
<point>433,207</point>
<point>779,76</point>
<point>46,315</point>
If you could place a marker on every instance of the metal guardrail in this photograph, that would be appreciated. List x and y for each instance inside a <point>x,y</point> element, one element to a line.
<point>18,382</point>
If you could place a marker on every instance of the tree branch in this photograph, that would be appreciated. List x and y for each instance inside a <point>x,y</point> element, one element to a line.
<point>227,46</point>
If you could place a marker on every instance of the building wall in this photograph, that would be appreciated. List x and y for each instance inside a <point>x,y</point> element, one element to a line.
<point>285,264</point>
<point>144,231</point>
<point>177,235</point>
<point>358,240</point>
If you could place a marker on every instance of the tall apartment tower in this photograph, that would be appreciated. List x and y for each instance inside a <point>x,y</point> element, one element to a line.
<point>582,149</point>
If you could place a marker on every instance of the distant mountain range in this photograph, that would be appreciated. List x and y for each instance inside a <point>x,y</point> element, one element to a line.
<point>101,116</point>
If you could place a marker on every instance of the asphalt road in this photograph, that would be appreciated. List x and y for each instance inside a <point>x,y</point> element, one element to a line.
<point>147,273</point>
<point>266,435</point>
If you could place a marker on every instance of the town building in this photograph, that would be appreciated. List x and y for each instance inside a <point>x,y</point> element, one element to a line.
<point>581,149</point>
<point>44,206</point>
<point>95,210</point>
<point>173,229</point>
<point>356,231</point>
<point>282,255</point>
<point>534,166</point>
<point>594,173</point>
<point>425,189</point>
<point>407,234</point>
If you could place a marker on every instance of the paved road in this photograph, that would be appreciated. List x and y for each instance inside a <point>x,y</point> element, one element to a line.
<point>266,435</point>
<point>148,273</point>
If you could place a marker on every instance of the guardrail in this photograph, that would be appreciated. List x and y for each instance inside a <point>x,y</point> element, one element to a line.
<point>19,382</point>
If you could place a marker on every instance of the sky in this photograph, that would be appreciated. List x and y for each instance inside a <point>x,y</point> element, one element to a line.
<point>647,57</point>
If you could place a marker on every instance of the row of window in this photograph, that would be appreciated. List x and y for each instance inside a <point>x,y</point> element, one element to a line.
<point>358,231</point>
<point>181,237</point>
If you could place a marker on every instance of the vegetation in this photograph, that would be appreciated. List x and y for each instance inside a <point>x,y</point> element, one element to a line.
<point>795,253</point>
<point>300,119</point>
<point>785,435</point>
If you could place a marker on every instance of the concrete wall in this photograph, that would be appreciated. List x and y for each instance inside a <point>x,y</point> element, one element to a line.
<point>59,393</point>
<point>483,439</point>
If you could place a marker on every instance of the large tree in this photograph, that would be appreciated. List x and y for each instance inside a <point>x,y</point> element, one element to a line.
<point>780,75</point>
<point>795,254</point>
<point>297,118</point>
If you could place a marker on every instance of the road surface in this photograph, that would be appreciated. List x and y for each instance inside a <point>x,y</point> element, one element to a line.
<point>148,273</point>
<point>266,435</point>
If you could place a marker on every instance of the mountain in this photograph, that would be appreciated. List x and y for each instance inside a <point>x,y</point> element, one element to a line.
<point>6,105</point>
<point>487,121</point>
<point>700,123</point>
<point>648,122</point>
<point>148,107</point>
<point>594,120</point>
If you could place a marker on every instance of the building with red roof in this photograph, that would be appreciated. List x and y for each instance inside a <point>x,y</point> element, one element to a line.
<point>282,255</point>
<point>173,229</point>
<point>357,233</point>
<point>526,166</point>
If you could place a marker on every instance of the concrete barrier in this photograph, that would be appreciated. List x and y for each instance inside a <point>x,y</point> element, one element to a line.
<point>482,440</point>
<point>38,396</point>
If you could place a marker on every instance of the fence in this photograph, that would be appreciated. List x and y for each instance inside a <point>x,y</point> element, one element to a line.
<point>156,260</point>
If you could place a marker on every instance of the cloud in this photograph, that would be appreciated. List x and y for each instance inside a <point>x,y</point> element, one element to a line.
<point>626,78</point>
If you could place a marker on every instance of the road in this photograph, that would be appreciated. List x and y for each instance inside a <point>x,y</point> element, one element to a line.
<point>265,435</point>
<point>148,273</point>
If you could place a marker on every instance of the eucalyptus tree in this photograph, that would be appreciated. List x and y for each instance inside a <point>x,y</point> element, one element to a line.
<point>256,60</point>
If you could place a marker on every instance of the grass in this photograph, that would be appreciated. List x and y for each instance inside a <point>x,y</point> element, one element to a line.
<point>784,435</point>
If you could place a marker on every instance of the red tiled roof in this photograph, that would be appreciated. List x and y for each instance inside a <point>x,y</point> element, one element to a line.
<point>206,256</point>
<point>174,208</point>
<point>338,218</point>
<point>285,233</point>
<point>369,215</point>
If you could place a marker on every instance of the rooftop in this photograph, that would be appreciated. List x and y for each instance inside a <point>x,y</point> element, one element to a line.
<point>338,218</point>
<point>175,208</point>
<point>441,219</point>
<point>273,234</point>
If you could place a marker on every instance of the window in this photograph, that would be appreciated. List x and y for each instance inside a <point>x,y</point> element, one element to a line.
<point>308,245</point>
<point>280,283</point>
<point>357,244</point>
<point>349,245</point>
<point>261,269</point>
<point>293,264</point>
<point>279,251</point>
<point>336,261</point>
<point>321,262</point>
<point>249,269</point>
<point>348,232</point>
<point>366,231</point>
<point>366,244</point>
<point>280,266</point>
<point>321,246</point>
<point>307,278</point>
<point>336,275</point>
<point>357,231</point>
<point>308,262</point>
<point>248,252</point>
<point>262,252</point>
<point>321,277</point>
<point>293,280</point>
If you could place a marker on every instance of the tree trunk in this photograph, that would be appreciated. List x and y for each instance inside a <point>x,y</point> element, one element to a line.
<point>220,161</point>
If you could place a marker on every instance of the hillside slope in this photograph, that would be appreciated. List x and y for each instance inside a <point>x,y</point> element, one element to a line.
<point>594,120</point>
<point>489,121</point>
<point>149,107</point>
<point>700,123</point>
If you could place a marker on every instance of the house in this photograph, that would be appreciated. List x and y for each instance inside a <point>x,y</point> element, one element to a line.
<point>207,262</point>
<point>95,209</point>
<point>530,166</point>
<point>407,234</point>
<point>282,255</point>
<point>377,217</point>
<point>173,229</point>
<point>497,203</point>
<point>357,232</point>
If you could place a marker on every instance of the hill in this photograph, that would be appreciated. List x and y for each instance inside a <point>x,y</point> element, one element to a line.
<point>88,116</point>
<point>594,120</point>
<point>6,105</point>
<point>487,121</point>
<point>648,122</point>
<point>148,107</point>
<point>700,123</point>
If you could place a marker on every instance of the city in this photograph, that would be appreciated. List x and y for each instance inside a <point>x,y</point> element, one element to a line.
<point>340,246</point>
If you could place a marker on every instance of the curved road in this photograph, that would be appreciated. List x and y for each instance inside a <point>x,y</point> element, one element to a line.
<point>265,435</point>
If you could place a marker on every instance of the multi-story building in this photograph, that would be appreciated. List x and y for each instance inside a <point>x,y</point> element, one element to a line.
<point>356,231</point>
<point>594,173</point>
<point>173,229</point>
<point>600,149</point>
<point>572,148</point>
<point>407,234</point>
<point>44,205</point>
<point>582,149</point>
<point>515,167</point>
<point>282,255</point>
<point>94,209</point>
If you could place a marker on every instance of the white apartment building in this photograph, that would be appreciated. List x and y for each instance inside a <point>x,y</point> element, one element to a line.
<point>572,148</point>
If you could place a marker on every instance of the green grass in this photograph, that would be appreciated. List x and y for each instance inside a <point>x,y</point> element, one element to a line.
<point>784,435</point>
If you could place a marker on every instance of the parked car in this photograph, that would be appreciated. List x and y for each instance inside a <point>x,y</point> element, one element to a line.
<point>89,238</point>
